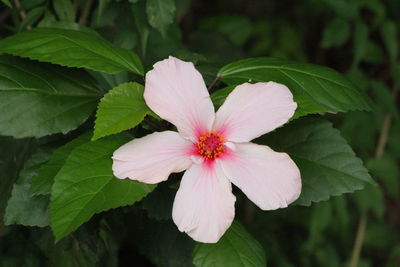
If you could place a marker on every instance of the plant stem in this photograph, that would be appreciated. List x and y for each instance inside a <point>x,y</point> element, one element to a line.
<point>86,12</point>
<point>362,224</point>
<point>152,125</point>
<point>18,6</point>
<point>383,136</point>
<point>21,12</point>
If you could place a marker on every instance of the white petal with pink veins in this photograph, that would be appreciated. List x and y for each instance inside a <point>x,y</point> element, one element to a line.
<point>204,205</point>
<point>176,91</point>
<point>270,179</point>
<point>252,110</point>
<point>151,159</point>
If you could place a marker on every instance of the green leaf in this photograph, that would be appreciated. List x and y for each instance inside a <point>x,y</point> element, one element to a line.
<point>31,17</point>
<point>50,21</point>
<point>85,185</point>
<point>383,97</point>
<point>389,35</point>
<point>160,14</point>
<point>360,42</point>
<point>218,97</point>
<point>158,203</point>
<point>161,242</point>
<point>336,33</point>
<point>370,199</point>
<point>43,181</point>
<point>7,3</point>
<point>236,248</point>
<point>327,163</point>
<point>22,208</point>
<point>343,8</point>
<point>316,89</point>
<point>98,14</point>
<point>26,210</point>
<point>141,24</point>
<point>71,48</point>
<point>84,249</point>
<point>11,162</point>
<point>237,28</point>
<point>64,10</point>
<point>38,99</point>
<point>320,220</point>
<point>387,170</point>
<point>122,108</point>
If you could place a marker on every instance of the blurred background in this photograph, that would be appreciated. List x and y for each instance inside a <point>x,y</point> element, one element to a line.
<point>355,37</point>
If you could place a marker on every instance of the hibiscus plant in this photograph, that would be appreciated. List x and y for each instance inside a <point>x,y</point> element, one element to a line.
<point>118,132</point>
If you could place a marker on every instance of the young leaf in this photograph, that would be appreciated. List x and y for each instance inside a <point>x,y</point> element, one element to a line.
<point>41,183</point>
<point>236,248</point>
<point>316,89</point>
<point>122,108</point>
<point>71,48</point>
<point>327,163</point>
<point>38,99</point>
<point>160,14</point>
<point>85,185</point>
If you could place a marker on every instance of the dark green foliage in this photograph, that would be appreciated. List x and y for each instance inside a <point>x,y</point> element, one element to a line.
<point>41,99</point>
<point>71,81</point>
<point>85,185</point>
<point>235,248</point>
<point>323,157</point>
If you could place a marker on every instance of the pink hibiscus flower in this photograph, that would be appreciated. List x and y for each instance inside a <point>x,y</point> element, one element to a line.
<point>213,148</point>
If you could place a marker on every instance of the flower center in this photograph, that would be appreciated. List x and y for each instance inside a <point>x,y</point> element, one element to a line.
<point>211,145</point>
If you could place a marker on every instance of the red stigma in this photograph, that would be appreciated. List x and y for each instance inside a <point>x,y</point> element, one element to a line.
<point>211,145</point>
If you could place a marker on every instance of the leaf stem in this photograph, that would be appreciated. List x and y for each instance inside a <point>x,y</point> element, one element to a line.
<point>213,83</point>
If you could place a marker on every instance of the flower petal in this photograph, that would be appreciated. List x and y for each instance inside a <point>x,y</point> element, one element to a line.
<point>270,179</point>
<point>151,159</point>
<point>252,110</point>
<point>204,205</point>
<point>176,91</point>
